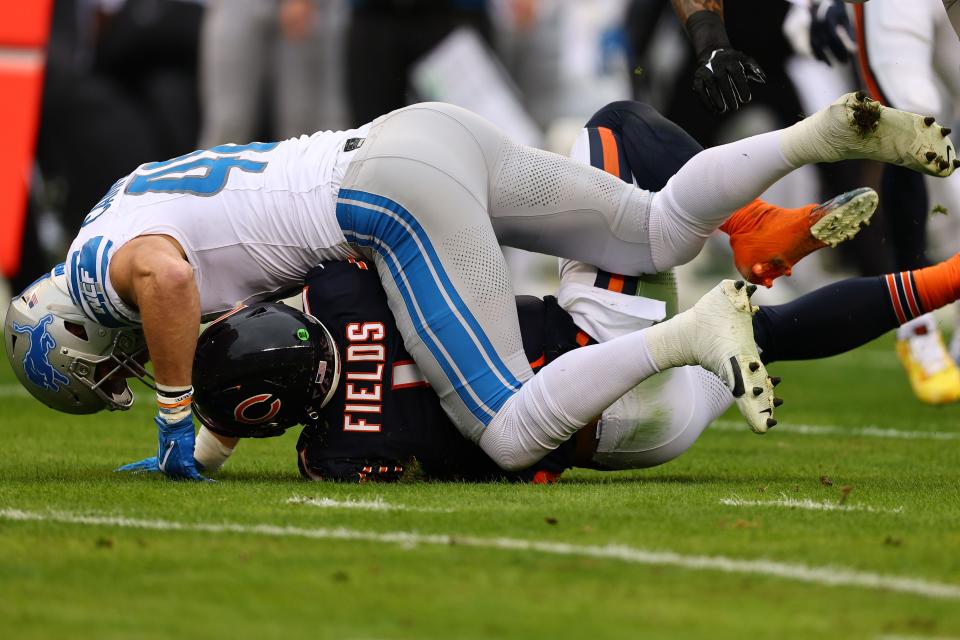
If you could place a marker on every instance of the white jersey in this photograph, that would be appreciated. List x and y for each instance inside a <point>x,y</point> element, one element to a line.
<point>252,220</point>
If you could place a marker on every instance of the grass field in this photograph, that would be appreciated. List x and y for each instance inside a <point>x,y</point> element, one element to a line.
<point>844,522</point>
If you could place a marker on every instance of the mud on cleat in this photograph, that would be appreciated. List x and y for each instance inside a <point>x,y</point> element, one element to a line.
<point>855,126</point>
<point>899,137</point>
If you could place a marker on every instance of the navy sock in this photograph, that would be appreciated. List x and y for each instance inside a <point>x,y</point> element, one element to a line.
<point>829,321</point>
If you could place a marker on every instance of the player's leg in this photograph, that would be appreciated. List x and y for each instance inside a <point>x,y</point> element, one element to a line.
<point>660,419</point>
<point>416,194</point>
<point>727,177</point>
<point>807,327</point>
<point>547,213</point>
<point>234,50</point>
<point>663,416</point>
<point>634,142</point>
<point>298,82</point>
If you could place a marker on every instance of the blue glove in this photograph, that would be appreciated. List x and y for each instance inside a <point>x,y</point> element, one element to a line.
<point>174,453</point>
<point>831,31</point>
<point>147,465</point>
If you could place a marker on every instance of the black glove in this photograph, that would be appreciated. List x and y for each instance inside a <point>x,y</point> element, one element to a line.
<point>722,79</point>
<point>831,31</point>
<point>723,74</point>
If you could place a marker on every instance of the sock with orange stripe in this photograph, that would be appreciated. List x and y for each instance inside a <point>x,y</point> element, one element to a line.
<point>842,316</point>
<point>938,285</point>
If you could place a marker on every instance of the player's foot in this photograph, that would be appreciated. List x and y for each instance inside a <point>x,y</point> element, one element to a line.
<point>857,127</point>
<point>933,374</point>
<point>717,334</point>
<point>767,240</point>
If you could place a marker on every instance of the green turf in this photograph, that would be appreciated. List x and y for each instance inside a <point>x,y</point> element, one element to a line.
<point>78,581</point>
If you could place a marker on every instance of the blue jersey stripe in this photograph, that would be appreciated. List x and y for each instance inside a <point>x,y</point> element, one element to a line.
<point>390,260</point>
<point>432,256</point>
<point>420,289</point>
<point>87,276</point>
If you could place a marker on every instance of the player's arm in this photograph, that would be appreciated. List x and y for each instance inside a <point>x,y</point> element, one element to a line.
<point>723,73</point>
<point>151,274</point>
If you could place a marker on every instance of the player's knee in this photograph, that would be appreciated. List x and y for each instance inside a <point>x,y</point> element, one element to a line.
<point>501,442</point>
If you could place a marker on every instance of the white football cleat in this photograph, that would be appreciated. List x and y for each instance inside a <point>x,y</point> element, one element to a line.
<point>717,334</point>
<point>857,127</point>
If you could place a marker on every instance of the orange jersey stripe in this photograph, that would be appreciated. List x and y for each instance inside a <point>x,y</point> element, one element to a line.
<point>611,157</point>
<point>539,362</point>
<point>616,283</point>
<point>582,338</point>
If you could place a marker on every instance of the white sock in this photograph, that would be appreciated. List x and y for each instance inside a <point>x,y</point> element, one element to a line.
<point>707,190</point>
<point>566,395</point>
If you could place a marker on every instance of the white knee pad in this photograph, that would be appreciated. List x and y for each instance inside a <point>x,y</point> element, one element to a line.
<point>660,419</point>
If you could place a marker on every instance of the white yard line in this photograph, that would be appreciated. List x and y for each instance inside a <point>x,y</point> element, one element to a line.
<point>836,430</point>
<point>823,575</point>
<point>806,504</point>
<point>376,504</point>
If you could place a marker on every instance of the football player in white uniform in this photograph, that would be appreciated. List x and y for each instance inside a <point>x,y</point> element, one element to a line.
<point>428,192</point>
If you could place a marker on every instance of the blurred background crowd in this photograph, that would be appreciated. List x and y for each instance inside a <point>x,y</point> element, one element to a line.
<point>130,81</point>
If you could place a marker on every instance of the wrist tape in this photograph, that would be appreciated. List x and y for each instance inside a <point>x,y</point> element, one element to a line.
<point>174,403</point>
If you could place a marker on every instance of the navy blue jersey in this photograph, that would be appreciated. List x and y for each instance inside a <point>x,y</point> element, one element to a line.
<point>384,420</point>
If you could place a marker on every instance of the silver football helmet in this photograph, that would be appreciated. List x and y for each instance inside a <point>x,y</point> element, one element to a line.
<point>65,360</point>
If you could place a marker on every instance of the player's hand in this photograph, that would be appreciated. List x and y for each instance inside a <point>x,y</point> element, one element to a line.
<point>831,34</point>
<point>722,80</point>
<point>175,450</point>
<point>147,465</point>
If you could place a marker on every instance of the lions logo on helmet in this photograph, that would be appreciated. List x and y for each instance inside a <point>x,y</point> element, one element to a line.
<point>36,361</point>
<point>65,359</point>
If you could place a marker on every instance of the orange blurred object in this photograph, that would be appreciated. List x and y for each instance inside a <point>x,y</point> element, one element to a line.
<point>24,29</point>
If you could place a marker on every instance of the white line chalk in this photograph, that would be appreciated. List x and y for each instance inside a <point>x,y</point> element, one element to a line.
<point>834,430</point>
<point>376,504</point>
<point>806,504</point>
<point>822,575</point>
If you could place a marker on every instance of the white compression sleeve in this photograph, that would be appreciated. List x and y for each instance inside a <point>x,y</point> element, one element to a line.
<point>707,190</point>
<point>561,399</point>
<point>209,451</point>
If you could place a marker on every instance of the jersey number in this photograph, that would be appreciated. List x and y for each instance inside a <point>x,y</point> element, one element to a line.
<point>204,176</point>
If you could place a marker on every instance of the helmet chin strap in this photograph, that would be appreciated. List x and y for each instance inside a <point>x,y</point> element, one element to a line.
<point>336,367</point>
